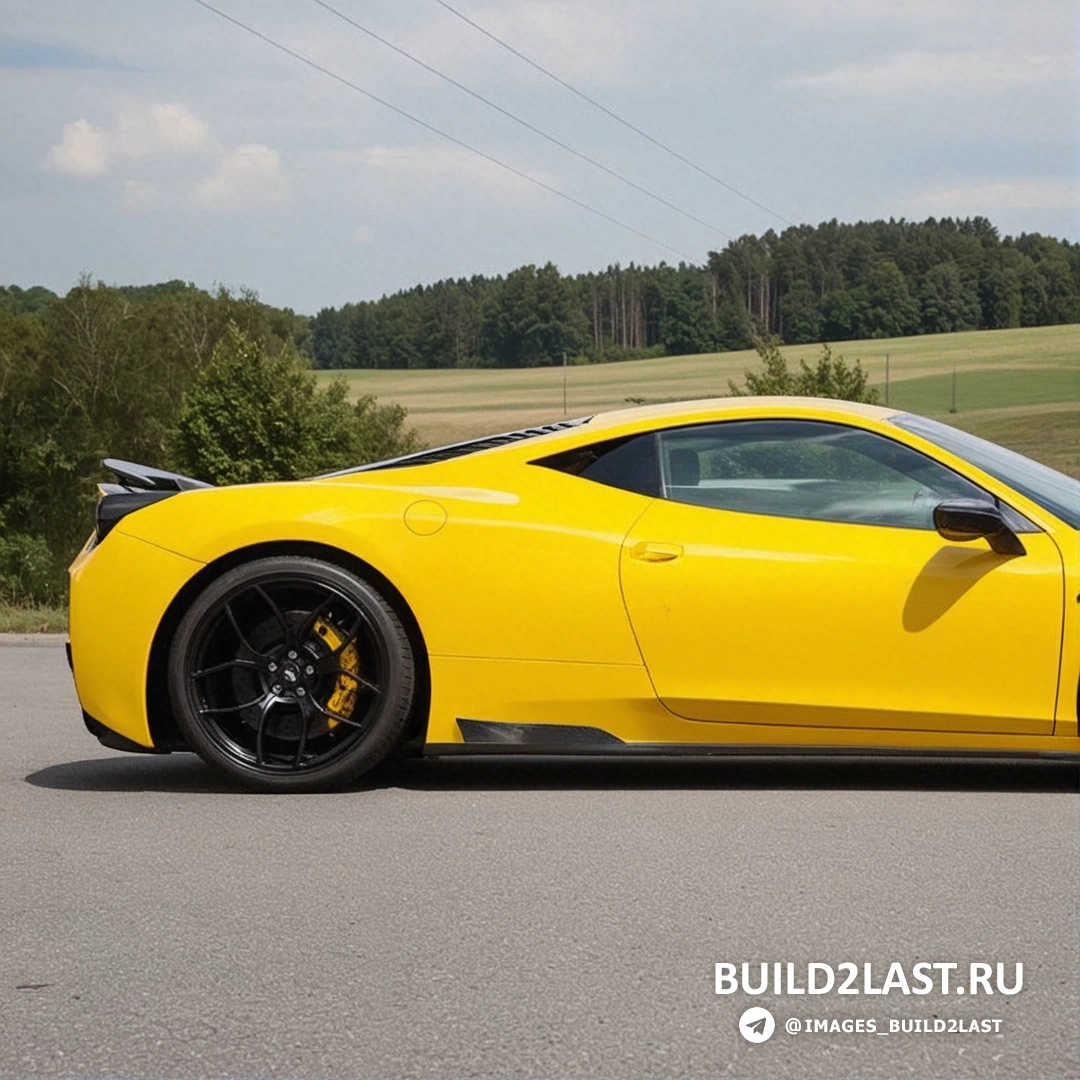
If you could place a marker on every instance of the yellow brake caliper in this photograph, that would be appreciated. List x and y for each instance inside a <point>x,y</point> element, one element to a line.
<point>343,700</point>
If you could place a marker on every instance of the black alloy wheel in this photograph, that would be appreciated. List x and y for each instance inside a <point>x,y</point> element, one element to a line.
<point>291,674</point>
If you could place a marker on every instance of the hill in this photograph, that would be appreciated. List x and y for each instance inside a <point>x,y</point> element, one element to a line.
<point>1019,387</point>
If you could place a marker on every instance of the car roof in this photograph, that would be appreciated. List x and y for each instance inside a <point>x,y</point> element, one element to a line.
<point>704,409</point>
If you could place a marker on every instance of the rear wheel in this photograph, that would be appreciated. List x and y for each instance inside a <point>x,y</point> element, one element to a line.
<point>291,674</point>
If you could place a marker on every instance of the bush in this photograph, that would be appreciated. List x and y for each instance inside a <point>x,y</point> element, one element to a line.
<point>26,570</point>
<point>251,417</point>
<point>829,378</point>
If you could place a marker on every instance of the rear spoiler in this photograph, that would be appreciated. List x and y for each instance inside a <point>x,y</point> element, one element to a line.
<point>140,486</point>
<point>144,478</point>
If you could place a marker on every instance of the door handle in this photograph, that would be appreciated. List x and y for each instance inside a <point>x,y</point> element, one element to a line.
<point>650,551</point>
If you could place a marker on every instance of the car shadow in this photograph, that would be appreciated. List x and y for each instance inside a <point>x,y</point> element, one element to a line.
<point>187,773</point>
<point>134,772</point>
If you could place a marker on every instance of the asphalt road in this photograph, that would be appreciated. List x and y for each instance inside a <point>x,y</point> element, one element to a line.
<point>528,919</point>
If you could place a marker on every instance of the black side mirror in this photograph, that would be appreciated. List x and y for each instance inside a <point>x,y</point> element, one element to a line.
<point>970,519</point>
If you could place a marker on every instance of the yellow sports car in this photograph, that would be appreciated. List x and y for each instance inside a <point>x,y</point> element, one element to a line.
<point>742,575</point>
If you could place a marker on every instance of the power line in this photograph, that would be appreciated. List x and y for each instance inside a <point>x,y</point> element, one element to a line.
<point>518,120</point>
<point>614,115</point>
<point>438,131</point>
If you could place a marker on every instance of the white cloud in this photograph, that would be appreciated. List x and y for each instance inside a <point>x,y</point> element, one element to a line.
<point>169,128</point>
<point>248,176</point>
<point>83,150</point>
<point>974,71</point>
<point>142,146</point>
<point>141,131</point>
<point>363,234</point>
<point>987,197</point>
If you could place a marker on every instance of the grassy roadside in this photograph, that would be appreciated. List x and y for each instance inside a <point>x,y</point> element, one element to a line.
<point>32,620</point>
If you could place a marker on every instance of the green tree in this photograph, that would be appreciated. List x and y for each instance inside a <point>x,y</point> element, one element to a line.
<point>891,311</point>
<point>833,281</point>
<point>948,302</point>
<point>250,416</point>
<point>830,377</point>
<point>531,318</point>
<point>101,373</point>
<point>801,311</point>
<point>16,301</point>
<point>733,328</point>
<point>330,338</point>
<point>1000,290</point>
<point>685,322</point>
<point>94,377</point>
<point>843,313</point>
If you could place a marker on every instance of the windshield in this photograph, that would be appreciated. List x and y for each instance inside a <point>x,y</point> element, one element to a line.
<point>1053,491</point>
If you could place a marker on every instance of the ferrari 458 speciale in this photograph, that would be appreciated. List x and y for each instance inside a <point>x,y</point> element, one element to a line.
<point>741,575</point>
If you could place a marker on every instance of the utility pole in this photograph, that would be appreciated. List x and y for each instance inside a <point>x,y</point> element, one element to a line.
<point>564,383</point>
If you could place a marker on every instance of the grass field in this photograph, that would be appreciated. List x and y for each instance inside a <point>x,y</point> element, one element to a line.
<point>32,620</point>
<point>1017,387</point>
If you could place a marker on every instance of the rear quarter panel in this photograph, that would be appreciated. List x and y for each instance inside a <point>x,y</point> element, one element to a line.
<point>525,566</point>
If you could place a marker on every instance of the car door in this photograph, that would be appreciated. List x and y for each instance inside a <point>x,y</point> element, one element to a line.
<point>790,573</point>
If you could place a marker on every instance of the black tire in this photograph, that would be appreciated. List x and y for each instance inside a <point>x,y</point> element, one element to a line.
<point>291,674</point>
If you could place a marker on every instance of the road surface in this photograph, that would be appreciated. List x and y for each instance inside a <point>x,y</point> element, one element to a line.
<point>523,919</point>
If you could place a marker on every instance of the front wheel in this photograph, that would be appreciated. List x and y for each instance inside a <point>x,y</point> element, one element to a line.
<point>291,674</point>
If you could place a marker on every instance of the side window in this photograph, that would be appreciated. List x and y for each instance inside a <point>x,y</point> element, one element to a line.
<point>806,469</point>
<point>631,464</point>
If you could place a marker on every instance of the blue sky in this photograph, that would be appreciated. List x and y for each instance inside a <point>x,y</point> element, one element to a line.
<point>155,141</point>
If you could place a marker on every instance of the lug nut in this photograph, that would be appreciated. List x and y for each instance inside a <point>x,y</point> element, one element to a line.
<point>300,691</point>
<point>271,666</point>
<point>309,670</point>
<point>276,688</point>
<point>292,654</point>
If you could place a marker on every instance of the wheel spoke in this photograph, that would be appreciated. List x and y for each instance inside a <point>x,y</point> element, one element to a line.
<point>236,708</point>
<point>306,715</point>
<point>266,599</point>
<point>350,635</point>
<point>369,686</point>
<point>313,617</point>
<point>332,669</point>
<point>240,633</point>
<point>334,716</point>
<point>264,715</point>
<point>224,667</point>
